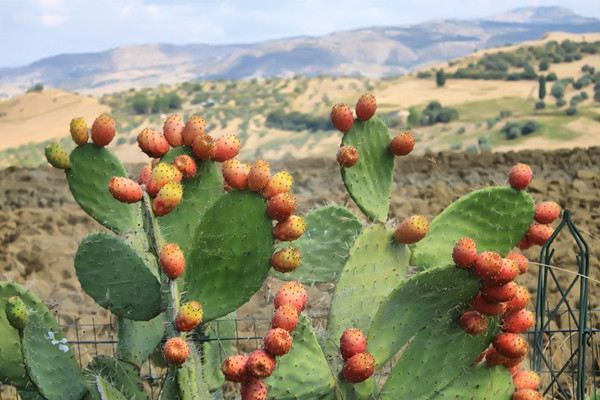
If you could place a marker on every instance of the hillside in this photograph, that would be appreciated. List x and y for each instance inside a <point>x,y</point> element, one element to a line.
<point>373,52</point>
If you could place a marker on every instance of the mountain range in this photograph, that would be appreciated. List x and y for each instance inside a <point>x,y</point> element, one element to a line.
<point>374,52</point>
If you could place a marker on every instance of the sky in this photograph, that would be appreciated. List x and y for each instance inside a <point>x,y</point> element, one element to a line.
<point>33,29</point>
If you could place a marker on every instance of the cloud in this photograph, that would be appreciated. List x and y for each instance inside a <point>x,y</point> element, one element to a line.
<point>52,20</point>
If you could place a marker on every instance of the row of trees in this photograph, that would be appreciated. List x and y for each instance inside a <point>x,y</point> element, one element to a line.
<point>142,104</point>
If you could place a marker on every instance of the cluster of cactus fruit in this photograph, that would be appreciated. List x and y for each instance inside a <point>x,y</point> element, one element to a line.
<point>191,244</point>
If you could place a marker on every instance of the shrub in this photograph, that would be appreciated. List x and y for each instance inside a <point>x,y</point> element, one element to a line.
<point>440,78</point>
<point>543,66</point>
<point>558,90</point>
<point>551,77</point>
<point>582,82</point>
<point>38,87</point>
<point>461,130</point>
<point>540,105</point>
<point>297,121</point>
<point>140,103</point>
<point>424,74</point>
<point>560,103</point>
<point>434,113</point>
<point>571,110</point>
<point>530,126</point>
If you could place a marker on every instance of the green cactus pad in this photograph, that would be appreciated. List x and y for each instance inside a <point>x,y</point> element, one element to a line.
<point>30,395</point>
<point>103,390</point>
<point>121,375</point>
<point>434,358</point>
<point>231,254</point>
<point>375,266</point>
<point>215,351</point>
<point>358,391</point>
<point>479,383</point>
<point>170,388</point>
<point>91,170</point>
<point>138,339</point>
<point>303,373</point>
<point>414,304</point>
<point>324,246</point>
<point>199,193</point>
<point>116,277</point>
<point>190,380</point>
<point>496,218</point>
<point>50,361</point>
<point>369,182</point>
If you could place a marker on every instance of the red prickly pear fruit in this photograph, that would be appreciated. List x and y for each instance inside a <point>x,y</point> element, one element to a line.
<point>79,131</point>
<point>546,212</point>
<point>366,107</point>
<point>193,128</point>
<point>412,229</point>
<point>347,156</point>
<point>293,294</point>
<point>261,364</point>
<point>539,233</point>
<point>103,130</point>
<point>172,260</point>
<point>510,345</point>
<point>473,323</point>
<point>186,165</point>
<point>204,147</point>
<point>524,243</point>
<point>359,368</point>
<point>520,300</point>
<point>527,394</point>
<point>281,182</point>
<point>236,173</point>
<point>286,260</point>
<point>285,317</point>
<point>152,143</point>
<point>482,306</point>
<point>259,176</point>
<point>235,368</point>
<point>162,174</point>
<point>145,175</point>
<point>254,389</point>
<point>173,129</point>
<point>519,321</point>
<point>278,342</point>
<point>513,370</point>
<point>125,190</point>
<point>402,144</point>
<point>290,229</point>
<point>520,176</point>
<point>342,118</point>
<point>520,259</point>
<point>281,206</point>
<point>226,148</point>
<point>499,294</point>
<point>464,252</point>
<point>189,316</point>
<point>507,272</point>
<point>168,198</point>
<point>176,351</point>
<point>493,358</point>
<point>526,380</point>
<point>487,264</point>
<point>352,342</point>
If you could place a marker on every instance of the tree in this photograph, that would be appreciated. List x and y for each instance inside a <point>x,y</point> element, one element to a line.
<point>140,103</point>
<point>558,90</point>
<point>544,65</point>
<point>440,77</point>
<point>542,88</point>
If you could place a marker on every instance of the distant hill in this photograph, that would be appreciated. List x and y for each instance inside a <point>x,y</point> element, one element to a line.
<point>372,52</point>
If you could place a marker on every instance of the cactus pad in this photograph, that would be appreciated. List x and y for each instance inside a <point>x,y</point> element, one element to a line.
<point>116,277</point>
<point>369,182</point>
<point>496,218</point>
<point>30,395</point>
<point>121,375</point>
<point>190,380</point>
<point>138,339</point>
<point>170,388</point>
<point>214,351</point>
<point>231,254</point>
<point>102,390</point>
<point>481,383</point>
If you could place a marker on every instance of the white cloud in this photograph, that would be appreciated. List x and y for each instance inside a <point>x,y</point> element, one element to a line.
<point>52,20</point>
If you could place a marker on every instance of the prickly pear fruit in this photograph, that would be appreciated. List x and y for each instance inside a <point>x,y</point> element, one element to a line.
<point>103,130</point>
<point>539,233</point>
<point>286,260</point>
<point>278,342</point>
<point>366,107</point>
<point>507,272</point>
<point>259,176</point>
<point>464,252</point>
<point>176,350</point>
<point>172,260</point>
<point>168,198</point>
<point>152,143</point>
<point>193,128</point>
<point>226,148</point>
<point>412,229</point>
<point>520,176</point>
<point>342,118</point>
<point>186,165</point>
<point>125,190</point>
<point>291,293</point>
<point>487,264</point>
<point>280,207</point>
<point>290,229</point>
<point>162,174</point>
<point>402,144</point>
<point>480,305</point>
<point>520,259</point>
<point>189,316</point>
<point>261,364</point>
<point>347,156</point>
<point>235,368</point>
<point>236,173</point>
<point>527,394</point>
<point>172,130</point>
<point>285,317</point>
<point>520,300</point>
<point>359,367</point>
<point>524,243</point>
<point>145,175</point>
<point>499,294</point>
<point>493,358</point>
<point>518,321</point>
<point>473,323</point>
<point>352,342</point>
<point>16,312</point>
<point>279,183</point>
<point>204,147</point>
<point>254,389</point>
<point>79,131</point>
<point>57,156</point>
<point>546,212</point>
<point>526,380</point>
<point>510,345</point>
